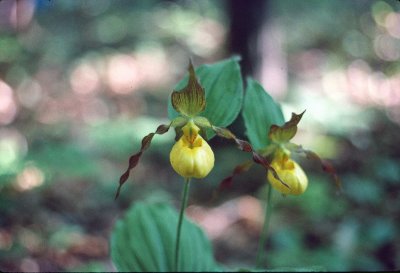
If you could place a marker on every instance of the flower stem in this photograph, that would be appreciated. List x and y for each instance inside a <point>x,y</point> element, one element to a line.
<point>185,196</point>
<point>264,232</point>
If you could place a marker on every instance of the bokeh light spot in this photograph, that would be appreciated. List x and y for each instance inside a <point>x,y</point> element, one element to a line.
<point>8,107</point>
<point>392,24</point>
<point>122,74</point>
<point>84,79</point>
<point>208,35</point>
<point>31,177</point>
<point>379,11</point>
<point>29,93</point>
<point>13,146</point>
<point>387,48</point>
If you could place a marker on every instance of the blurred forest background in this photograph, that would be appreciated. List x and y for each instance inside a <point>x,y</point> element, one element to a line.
<point>82,82</point>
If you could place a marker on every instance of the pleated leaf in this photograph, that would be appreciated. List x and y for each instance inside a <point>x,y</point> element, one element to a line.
<point>260,111</point>
<point>144,240</point>
<point>314,268</point>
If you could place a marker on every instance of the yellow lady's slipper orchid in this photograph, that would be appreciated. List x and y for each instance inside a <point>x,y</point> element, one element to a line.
<point>290,172</point>
<point>191,156</point>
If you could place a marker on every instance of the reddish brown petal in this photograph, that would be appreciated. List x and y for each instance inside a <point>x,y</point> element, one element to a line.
<point>262,161</point>
<point>134,159</point>
<point>227,182</point>
<point>325,165</point>
<point>162,129</point>
<point>246,147</point>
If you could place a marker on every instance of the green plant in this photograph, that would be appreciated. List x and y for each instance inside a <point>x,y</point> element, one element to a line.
<point>145,239</point>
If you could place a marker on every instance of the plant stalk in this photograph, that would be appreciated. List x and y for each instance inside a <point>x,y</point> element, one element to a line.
<point>185,196</point>
<point>264,232</point>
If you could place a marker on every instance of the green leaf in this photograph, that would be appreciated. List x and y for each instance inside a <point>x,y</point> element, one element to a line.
<point>260,111</point>
<point>223,87</point>
<point>315,268</point>
<point>144,240</point>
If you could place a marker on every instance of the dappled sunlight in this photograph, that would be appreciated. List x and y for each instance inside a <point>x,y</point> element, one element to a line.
<point>8,106</point>
<point>122,74</point>
<point>360,84</point>
<point>85,79</point>
<point>203,35</point>
<point>155,68</point>
<point>13,147</point>
<point>273,71</point>
<point>387,48</point>
<point>207,37</point>
<point>31,177</point>
<point>16,14</point>
<point>392,24</point>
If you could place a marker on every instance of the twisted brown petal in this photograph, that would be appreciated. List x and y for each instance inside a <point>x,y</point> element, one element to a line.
<point>246,147</point>
<point>134,159</point>
<point>227,181</point>
<point>325,165</point>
